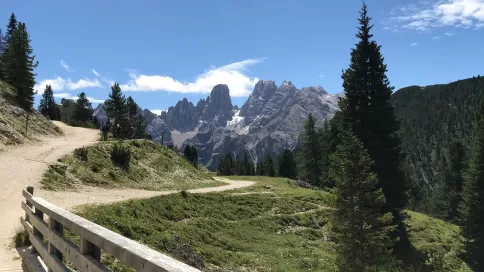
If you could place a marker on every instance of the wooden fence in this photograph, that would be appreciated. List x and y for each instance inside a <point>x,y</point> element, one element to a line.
<point>47,238</point>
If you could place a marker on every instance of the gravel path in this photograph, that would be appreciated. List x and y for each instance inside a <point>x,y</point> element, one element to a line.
<point>24,166</point>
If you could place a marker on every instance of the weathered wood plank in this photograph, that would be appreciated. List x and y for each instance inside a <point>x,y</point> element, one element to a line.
<point>51,261</point>
<point>135,255</point>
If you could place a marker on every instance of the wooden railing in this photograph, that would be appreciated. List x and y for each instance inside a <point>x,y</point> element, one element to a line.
<point>93,240</point>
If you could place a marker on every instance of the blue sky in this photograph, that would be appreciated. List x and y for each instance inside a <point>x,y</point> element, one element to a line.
<point>162,51</point>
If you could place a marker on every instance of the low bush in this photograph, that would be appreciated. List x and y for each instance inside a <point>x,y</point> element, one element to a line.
<point>81,153</point>
<point>121,155</point>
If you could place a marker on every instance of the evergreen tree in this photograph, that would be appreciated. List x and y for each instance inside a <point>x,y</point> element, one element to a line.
<point>116,110</point>
<point>260,171</point>
<point>194,158</point>
<point>269,166</point>
<point>136,128</point>
<point>454,187</point>
<point>18,63</point>
<point>247,166</point>
<point>47,106</point>
<point>287,165</point>
<point>311,153</point>
<point>472,205</point>
<point>187,153</point>
<point>83,111</point>
<point>361,228</point>
<point>226,167</point>
<point>366,110</point>
<point>11,28</point>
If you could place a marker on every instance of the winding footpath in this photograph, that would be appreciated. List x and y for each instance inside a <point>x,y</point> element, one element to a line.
<point>24,166</point>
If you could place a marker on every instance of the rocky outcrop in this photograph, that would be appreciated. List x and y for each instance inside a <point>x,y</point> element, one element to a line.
<point>263,91</point>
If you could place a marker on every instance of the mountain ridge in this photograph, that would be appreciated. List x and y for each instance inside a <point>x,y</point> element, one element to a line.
<point>270,121</point>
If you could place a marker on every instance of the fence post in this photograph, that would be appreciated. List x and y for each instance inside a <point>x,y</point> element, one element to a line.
<point>88,248</point>
<point>55,226</point>
<point>30,190</point>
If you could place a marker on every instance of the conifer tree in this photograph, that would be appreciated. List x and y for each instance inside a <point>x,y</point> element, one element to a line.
<point>454,187</point>
<point>471,207</point>
<point>116,110</point>
<point>269,166</point>
<point>360,227</point>
<point>187,153</point>
<point>287,165</point>
<point>194,158</point>
<point>246,165</point>
<point>83,111</point>
<point>18,63</point>
<point>367,111</point>
<point>311,153</point>
<point>136,128</point>
<point>48,107</point>
<point>260,171</point>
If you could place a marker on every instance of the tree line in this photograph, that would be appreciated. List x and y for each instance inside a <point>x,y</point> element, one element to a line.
<point>286,166</point>
<point>77,112</point>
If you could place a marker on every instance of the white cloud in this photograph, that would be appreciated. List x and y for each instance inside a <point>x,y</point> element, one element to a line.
<point>449,34</point>
<point>61,84</point>
<point>157,112</point>
<point>439,13</point>
<point>437,37</point>
<point>321,75</point>
<point>414,44</point>
<point>95,72</point>
<point>74,97</point>
<point>66,67</point>
<point>232,74</point>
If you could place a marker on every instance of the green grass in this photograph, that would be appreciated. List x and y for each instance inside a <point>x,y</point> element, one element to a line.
<point>12,121</point>
<point>271,226</point>
<point>239,230</point>
<point>152,167</point>
<point>440,241</point>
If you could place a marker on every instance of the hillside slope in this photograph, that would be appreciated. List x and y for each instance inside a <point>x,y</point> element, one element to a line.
<point>272,226</point>
<point>432,118</point>
<point>152,167</point>
<point>12,121</point>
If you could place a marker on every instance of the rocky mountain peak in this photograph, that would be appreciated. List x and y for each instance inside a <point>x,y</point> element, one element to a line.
<point>315,89</point>
<point>220,96</point>
<point>263,91</point>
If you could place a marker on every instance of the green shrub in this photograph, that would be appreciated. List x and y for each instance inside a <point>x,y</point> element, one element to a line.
<point>81,153</point>
<point>121,155</point>
<point>21,238</point>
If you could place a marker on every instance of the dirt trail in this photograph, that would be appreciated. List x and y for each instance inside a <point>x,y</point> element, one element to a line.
<point>24,166</point>
<point>96,195</point>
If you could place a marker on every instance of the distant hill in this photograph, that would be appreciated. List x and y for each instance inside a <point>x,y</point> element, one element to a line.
<point>12,121</point>
<point>432,117</point>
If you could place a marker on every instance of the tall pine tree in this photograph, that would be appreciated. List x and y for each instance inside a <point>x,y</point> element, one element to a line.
<point>361,228</point>
<point>137,128</point>
<point>287,165</point>
<point>454,186</point>
<point>194,158</point>
<point>311,153</point>
<point>116,111</point>
<point>472,206</point>
<point>18,63</point>
<point>48,107</point>
<point>366,110</point>
<point>83,111</point>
